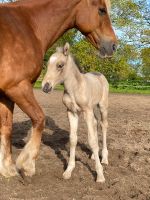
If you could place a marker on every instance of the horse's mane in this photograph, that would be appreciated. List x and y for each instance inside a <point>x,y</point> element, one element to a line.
<point>108,3</point>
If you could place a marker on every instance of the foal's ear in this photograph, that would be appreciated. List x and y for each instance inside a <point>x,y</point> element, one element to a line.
<point>66,49</point>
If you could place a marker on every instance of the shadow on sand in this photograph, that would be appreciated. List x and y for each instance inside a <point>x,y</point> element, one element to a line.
<point>57,140</point>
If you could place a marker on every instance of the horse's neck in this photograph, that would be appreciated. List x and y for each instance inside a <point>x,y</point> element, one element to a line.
<point>73,80</point>
<point>50,18</point>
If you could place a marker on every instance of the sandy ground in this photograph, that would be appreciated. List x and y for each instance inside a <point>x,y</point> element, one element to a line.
<point>127,175</point>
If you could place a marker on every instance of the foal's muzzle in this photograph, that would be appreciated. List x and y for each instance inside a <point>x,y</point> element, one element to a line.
<point>47,88</point>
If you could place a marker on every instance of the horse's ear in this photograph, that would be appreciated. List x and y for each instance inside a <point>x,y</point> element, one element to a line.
<point>66,49</point>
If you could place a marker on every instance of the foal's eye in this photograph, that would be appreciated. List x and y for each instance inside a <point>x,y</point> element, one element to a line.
<point>102,11</point>
<point>60,65</point>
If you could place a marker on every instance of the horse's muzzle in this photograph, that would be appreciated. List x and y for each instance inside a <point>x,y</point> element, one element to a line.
<point>47,88</point>
<point>107,49</point>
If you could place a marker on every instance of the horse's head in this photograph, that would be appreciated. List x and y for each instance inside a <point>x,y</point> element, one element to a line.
<point>92,19</point>
<point>57,68</point>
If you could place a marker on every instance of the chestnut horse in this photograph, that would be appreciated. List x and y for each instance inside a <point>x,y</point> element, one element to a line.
<point>27,29</point>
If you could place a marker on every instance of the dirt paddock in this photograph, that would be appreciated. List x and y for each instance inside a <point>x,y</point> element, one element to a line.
<point>127,175</point>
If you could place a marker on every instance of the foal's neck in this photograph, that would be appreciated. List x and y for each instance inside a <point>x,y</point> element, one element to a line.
<point>50,18</point>
<point>74,77</point>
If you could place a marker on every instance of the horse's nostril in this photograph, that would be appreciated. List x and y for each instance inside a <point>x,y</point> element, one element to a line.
<point>114,47</point>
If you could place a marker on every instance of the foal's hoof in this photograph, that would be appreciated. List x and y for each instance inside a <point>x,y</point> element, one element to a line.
<point>105,156</point>
<point>66,175</point>
<point>92,157</point>
<point>100,179</point>
<point>105,161</point>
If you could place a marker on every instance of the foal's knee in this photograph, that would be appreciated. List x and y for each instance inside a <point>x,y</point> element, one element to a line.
<point>93,143</point>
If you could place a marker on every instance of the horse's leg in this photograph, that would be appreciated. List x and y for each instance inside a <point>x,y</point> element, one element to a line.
<point>104,126</point>
<point>93,142</point>
<point>23,96</point>
<point>7,167</point>
<point>73,120</point>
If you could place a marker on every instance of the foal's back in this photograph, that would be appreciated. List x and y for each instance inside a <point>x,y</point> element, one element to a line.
<point>95,88</point>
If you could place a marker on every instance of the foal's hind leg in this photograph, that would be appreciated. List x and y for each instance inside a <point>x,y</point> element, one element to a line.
<point>7,167</point>
<point>95,131</point>
<point>104,126</point>
<point>73,120</point>
<point>23,96</point>
<point>93,142</point>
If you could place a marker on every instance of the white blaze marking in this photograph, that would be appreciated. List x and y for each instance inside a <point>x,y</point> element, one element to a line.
<point>53,59</point>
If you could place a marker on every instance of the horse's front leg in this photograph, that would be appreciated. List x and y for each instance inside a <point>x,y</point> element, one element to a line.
<point>73,120</point>
<point>93,142</point>
<point>23,96</point>
<point>7,167</point>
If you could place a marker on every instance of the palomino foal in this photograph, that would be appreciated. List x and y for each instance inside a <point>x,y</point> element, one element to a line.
<point>82,93</point>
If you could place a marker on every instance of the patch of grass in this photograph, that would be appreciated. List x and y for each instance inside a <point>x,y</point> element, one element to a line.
<point>128,91</point>
<point>38,85</point>
<point>112,89</point>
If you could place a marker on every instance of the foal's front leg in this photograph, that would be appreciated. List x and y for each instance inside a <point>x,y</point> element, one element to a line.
<point>93,142</point>
<point>73,120</point>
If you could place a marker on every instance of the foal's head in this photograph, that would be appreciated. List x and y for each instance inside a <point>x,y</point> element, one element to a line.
<point>57,69</point>
<point>92,19</point>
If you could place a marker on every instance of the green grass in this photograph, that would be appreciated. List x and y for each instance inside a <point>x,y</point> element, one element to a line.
<point>38,85</point>
<point>128,91</point>
<point>112,89</point>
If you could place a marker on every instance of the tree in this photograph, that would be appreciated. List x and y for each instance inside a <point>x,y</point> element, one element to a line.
<point>145,55</point>
<point>131,19</point>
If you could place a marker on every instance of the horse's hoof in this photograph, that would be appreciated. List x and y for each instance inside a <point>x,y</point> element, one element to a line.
<point>8,172</point>
<point>26,171</point>
<point>26,168</point>
<point>13,171</point>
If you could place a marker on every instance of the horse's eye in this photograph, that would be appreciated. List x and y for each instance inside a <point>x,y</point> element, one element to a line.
<point>102,11</point>
<point>60,65</point>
